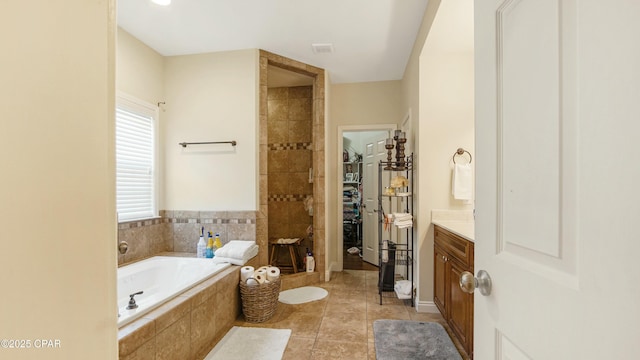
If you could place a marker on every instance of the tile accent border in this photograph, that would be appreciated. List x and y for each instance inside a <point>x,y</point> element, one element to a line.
<point>140,223</point>
<point>291,146</point>
<point>287,197</point>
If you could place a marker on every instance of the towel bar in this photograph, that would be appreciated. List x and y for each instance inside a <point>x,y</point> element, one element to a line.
<point>184,144</point>
<point>461,151</point>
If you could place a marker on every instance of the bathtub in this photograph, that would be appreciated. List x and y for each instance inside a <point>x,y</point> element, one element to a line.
<point>161,278</point>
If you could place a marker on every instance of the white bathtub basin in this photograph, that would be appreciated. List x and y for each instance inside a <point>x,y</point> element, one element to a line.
<point>161,278</point>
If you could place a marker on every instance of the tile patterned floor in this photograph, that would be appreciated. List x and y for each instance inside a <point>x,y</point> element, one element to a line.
<point>340,326</point>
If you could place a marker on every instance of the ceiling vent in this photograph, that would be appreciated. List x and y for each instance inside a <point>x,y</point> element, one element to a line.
<point>322,48</point>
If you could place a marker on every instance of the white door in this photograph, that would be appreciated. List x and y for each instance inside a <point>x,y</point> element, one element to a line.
<point>557,128</point>
<point>374,152</point>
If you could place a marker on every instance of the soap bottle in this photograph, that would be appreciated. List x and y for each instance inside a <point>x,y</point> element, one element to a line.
<point>200,252</point>
<point>217,242</point>
<point>304,260</point>
<point>209,252</point>
<point>311,264</point>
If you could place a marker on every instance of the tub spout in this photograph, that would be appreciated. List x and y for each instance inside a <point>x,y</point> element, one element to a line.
<point>132,302</point>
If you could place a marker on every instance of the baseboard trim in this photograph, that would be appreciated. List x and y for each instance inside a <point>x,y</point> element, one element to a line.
<point>426,307</point>
<point>332,267</point>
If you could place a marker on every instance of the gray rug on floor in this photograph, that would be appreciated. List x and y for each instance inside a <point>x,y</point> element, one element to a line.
<point>404,340</point>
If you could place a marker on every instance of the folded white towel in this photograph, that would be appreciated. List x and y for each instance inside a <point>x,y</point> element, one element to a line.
<point>462,182</point>
<point>402,220</point>
<point>238,250</point>
<point>402,216</point>
<point>239,262</point>
<point>287,241</point>
<point>403,287</point>
<point>403,224</point>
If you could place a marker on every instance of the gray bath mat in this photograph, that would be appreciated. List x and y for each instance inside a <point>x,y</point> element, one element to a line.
<point>401,339</point>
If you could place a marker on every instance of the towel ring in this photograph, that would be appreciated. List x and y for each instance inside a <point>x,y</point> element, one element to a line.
<point>461,151</point>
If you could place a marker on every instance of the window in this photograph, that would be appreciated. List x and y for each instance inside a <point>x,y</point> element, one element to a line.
<point>135,159</point>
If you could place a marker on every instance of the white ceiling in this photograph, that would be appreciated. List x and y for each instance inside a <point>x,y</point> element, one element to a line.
<point>372,39</point>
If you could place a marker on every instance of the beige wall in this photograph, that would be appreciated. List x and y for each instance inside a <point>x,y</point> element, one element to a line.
<point>353,104</point>
<point>57,189</point>
<point>140,73</point>
<point>411,102</point>
<point>139,69</point>
<point>211,97</point>
<point>439,78</point>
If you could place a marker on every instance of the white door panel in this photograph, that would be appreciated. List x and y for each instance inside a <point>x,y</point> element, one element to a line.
<point>369,184</point>
<point>557,249</point>
<point>374,152</point>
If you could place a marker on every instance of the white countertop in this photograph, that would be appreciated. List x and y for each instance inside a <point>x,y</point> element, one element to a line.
<point>459,222</point>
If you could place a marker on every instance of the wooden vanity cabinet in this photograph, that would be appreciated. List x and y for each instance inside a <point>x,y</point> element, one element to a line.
<point>452,256</point>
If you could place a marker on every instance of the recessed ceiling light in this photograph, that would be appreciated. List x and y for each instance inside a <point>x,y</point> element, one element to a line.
<point>322,48</point>
<point>162,2</point>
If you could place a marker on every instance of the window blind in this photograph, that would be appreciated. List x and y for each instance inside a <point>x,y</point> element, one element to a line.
<point>135,155</point>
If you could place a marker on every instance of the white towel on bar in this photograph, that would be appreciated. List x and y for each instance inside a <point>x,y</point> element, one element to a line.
<point>462,182</point>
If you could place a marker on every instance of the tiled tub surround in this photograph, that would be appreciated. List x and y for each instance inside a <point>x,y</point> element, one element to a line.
<point>231,225</point>
<point>144,237</point>
<point>179,231</point>
<point>289,119</point>
<point>188,326</point>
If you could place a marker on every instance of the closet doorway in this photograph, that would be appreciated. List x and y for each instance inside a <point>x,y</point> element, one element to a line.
<point>358,193</point>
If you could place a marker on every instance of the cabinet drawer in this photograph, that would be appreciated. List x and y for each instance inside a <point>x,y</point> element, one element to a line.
<point>457,247</point>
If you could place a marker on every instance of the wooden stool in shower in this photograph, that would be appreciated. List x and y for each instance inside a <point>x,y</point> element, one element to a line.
<point>293,252</point>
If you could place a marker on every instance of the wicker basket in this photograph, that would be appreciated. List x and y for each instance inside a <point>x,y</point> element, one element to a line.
<point>259,302</point>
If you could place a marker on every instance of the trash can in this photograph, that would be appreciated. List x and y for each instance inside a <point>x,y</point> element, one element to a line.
<point>388,269</point>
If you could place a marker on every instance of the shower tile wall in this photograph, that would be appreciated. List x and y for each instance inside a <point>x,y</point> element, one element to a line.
<point>289,129</point>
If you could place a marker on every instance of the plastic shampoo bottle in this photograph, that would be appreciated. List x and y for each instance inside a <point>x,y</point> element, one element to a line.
<point>201,247</point>
<point>217,242</point>
<point>209,251</point>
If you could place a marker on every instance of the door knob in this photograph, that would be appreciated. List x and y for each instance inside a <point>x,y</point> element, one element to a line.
<point>468,283</point>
